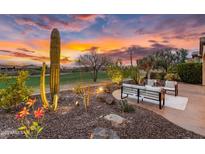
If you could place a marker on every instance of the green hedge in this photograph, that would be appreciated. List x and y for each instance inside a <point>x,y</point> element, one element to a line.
<point>190,72</point>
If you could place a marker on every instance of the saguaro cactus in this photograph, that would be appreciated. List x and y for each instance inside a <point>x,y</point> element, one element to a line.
<point>54,62</point>
<point>54,71</point>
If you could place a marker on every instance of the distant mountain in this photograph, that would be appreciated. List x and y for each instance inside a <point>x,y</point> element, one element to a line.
<point>19,66</point>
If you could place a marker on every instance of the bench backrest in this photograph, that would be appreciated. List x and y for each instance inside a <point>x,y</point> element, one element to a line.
<point>142,91</point>
<point>153,93</point>
<point>151,82</point>
<point>131,89</point>
<point>170,84</point>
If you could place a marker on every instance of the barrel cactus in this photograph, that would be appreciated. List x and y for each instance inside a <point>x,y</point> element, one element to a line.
<point>54,71</point>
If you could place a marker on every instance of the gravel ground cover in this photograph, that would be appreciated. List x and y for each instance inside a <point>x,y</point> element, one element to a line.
<point>73,122</point>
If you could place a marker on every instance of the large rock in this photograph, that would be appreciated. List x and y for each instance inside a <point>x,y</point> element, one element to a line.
<point>104,133</point>
<point>107,98</point>
<point>9,132</point>
<point>116,120</point>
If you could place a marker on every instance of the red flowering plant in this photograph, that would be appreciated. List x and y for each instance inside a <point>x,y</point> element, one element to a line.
<point>30,119</point>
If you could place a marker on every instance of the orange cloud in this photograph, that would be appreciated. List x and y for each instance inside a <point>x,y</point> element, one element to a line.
<point>65,60</point>
<point>110,43</point>
<point>73,48</point>
<point>40,44</point>
<point>102,43</point>
<point>106,44</point>
<point>3,57</point>
<point>13,45</point>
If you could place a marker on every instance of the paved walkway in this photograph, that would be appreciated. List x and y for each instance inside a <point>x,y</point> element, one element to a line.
<point>38,75</point>
<point>71,86</point>
<point>192,118</point>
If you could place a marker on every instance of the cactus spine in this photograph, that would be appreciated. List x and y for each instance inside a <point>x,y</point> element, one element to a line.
<point>54,71</point>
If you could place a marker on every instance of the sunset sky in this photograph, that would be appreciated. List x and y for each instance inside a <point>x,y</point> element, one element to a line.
<point>24,39</point>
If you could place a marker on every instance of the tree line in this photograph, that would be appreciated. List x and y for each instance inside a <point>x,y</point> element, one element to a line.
<point>161,59</point>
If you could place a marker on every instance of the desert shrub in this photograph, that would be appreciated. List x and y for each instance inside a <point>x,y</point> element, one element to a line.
<point>78,89</point>
<point>115,73</point>
<point>136,75</point>
<point>157,75</point>
<point>172,69</point>
<point>84,93</point>
<point>86,98</point>
<point>172,77</point>
<point>125,107</point>
<point>126,72</point>
<point>16,91</point>
<point>190,72</point>
<point>4,77</point>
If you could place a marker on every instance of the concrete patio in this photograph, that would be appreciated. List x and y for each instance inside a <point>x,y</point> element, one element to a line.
<point>192,118</point>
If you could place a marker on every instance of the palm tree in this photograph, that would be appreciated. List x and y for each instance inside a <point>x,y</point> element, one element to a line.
<point>130,51</point>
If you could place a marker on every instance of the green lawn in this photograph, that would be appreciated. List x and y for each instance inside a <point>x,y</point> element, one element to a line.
<point>68,78</point>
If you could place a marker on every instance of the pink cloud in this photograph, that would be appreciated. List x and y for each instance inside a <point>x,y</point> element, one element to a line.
<point>74,23</point>
<point>30,22</point>
<point>88,17</point>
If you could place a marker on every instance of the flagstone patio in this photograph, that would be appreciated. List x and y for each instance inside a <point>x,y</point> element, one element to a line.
<point>191,118</point>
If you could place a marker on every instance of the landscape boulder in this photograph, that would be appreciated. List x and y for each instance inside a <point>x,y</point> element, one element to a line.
<point>9,132</point>
<point>107,98</point>
<point>104,133</point>
<point>115,119</point>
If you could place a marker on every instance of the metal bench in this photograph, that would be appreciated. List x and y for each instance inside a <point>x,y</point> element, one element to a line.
<point>148,92</point>
<point>171,86</point>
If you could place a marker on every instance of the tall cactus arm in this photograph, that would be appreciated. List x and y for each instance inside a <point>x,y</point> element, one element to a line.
<point>43,88</point>
<point>55,102</point>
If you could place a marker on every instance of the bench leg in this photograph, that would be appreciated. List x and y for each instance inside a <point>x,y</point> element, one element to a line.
<point>121,91</point>
<point>124,97</point>
<point>122,94</point>
<point>138,96</point>
<point>160,104</point>
<point>176,92</point>
<point>163,101</point>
